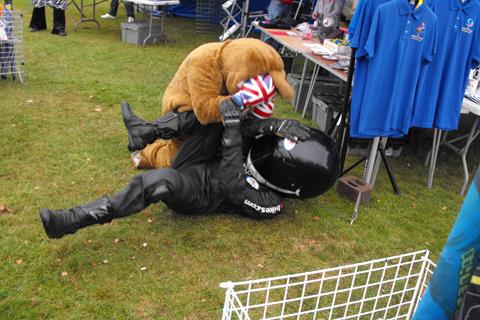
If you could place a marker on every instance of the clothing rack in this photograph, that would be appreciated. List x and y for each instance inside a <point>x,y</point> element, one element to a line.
<point>377,145</point>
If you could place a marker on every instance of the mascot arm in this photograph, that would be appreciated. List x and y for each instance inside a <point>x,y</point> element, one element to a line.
<point>205,88</point>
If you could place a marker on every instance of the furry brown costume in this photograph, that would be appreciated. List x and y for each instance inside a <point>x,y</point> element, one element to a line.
<point>208,76</point>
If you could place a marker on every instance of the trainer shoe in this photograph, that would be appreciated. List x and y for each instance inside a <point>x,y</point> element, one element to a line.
<point>107,16</point>
<point>131,19</point>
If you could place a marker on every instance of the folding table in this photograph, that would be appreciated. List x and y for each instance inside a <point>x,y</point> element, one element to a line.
<point>151,4</point>
<point>440,138</point>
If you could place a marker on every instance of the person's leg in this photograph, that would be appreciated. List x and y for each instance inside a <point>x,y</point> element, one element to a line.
<point>114,8</point>
<point>129,9</point>
<point>144,189</point>
<point>38,21</point>
<point>200,147</point>
<point>277,9</point>
<point>159,154</point>
<point>59,22</point>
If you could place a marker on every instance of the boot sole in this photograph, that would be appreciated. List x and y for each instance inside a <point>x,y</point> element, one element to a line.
<point>45,217</point>
<point>127,114</point>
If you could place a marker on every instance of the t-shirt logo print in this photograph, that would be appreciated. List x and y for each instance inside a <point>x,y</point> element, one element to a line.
<point>420,30</point>
<point>468,28</point>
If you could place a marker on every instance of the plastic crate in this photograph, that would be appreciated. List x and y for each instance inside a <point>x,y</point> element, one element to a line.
<point>387,288</point>
<point>137,32</point>
<point>360,147</point>
<point>324,110</point>
<point>324,84</point>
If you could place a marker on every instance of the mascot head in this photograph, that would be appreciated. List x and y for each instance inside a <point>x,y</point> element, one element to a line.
<point>244,58</point>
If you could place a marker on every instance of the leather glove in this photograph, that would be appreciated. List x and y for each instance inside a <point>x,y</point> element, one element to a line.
<point>291,129</point>
<point>230,112</point>
<point>254,91</point>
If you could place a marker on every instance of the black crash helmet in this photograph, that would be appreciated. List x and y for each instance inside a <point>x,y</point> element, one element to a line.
<point>302,169</point>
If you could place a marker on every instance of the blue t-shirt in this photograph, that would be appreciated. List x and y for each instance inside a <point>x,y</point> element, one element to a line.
<point>401,41</point>
<point>358,33</point>
<point>442,85</point>
<point>352,27</point>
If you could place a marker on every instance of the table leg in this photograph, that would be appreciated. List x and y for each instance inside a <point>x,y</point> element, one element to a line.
<point>378,160</point>
<point>299,93</point>
<point>355,210</point>
<point>94,19</point>
<point>437,138</point>
<point>430,157</point>
<point>473,134</point>
<point>149,27</point>
<point>371,160</point>
<point>368,175</point>
<point>78,8</point>
<point>84,18</point>
<point>316,69</point>
<point>427,158</point>
<point>389,172</point>
<point>162,18</point>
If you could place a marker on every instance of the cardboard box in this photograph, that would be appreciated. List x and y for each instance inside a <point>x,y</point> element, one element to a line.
<point>337,49</point>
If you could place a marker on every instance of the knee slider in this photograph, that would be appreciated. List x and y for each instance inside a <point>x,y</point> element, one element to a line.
<point>159,183</point>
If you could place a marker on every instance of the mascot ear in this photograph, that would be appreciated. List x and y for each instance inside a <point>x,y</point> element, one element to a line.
<point>284,89</point>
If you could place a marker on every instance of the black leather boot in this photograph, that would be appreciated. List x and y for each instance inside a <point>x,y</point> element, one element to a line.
<point>57,223</point>
<point>141,132</point>
<point>59,22</point>
<point>38,21</point>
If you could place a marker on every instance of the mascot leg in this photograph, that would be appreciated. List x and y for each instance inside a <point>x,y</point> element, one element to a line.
<point>144,189</point>
<point>159,154</point>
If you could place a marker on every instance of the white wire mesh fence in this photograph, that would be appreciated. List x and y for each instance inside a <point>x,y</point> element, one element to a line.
<point>387,288</point>
<point>11,45</point>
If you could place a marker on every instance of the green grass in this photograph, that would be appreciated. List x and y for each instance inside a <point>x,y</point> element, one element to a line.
<point>57,151</point>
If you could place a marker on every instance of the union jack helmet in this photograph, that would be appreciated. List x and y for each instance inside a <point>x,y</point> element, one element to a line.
<point>264,110</point>
<point>257,90</point>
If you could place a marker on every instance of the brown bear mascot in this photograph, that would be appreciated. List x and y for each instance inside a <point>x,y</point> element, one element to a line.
<point>209,75</point>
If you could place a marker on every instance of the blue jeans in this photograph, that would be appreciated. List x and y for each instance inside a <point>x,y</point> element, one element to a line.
<point>114,8</point>
<point>277,9</point>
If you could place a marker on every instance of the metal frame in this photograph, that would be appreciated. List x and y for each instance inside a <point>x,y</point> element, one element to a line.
<point>81,8</point>
<point>151,4</point>
<point>233,20</point>
<point>12,57</point>
<point>440,138</point>
<point>238,20</point>
<point>387,288</point>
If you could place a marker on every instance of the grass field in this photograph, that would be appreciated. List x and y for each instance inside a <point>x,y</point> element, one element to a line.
<point>63,143</point>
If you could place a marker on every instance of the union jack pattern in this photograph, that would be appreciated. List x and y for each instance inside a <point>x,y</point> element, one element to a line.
<point>264,110</point>
<point>257,90</point>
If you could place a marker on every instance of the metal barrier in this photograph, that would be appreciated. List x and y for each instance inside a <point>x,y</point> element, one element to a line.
<point>388,288</point>
<point>11,45</point>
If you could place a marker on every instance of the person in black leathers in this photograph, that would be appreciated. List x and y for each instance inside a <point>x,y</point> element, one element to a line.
<point>199,181</point>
